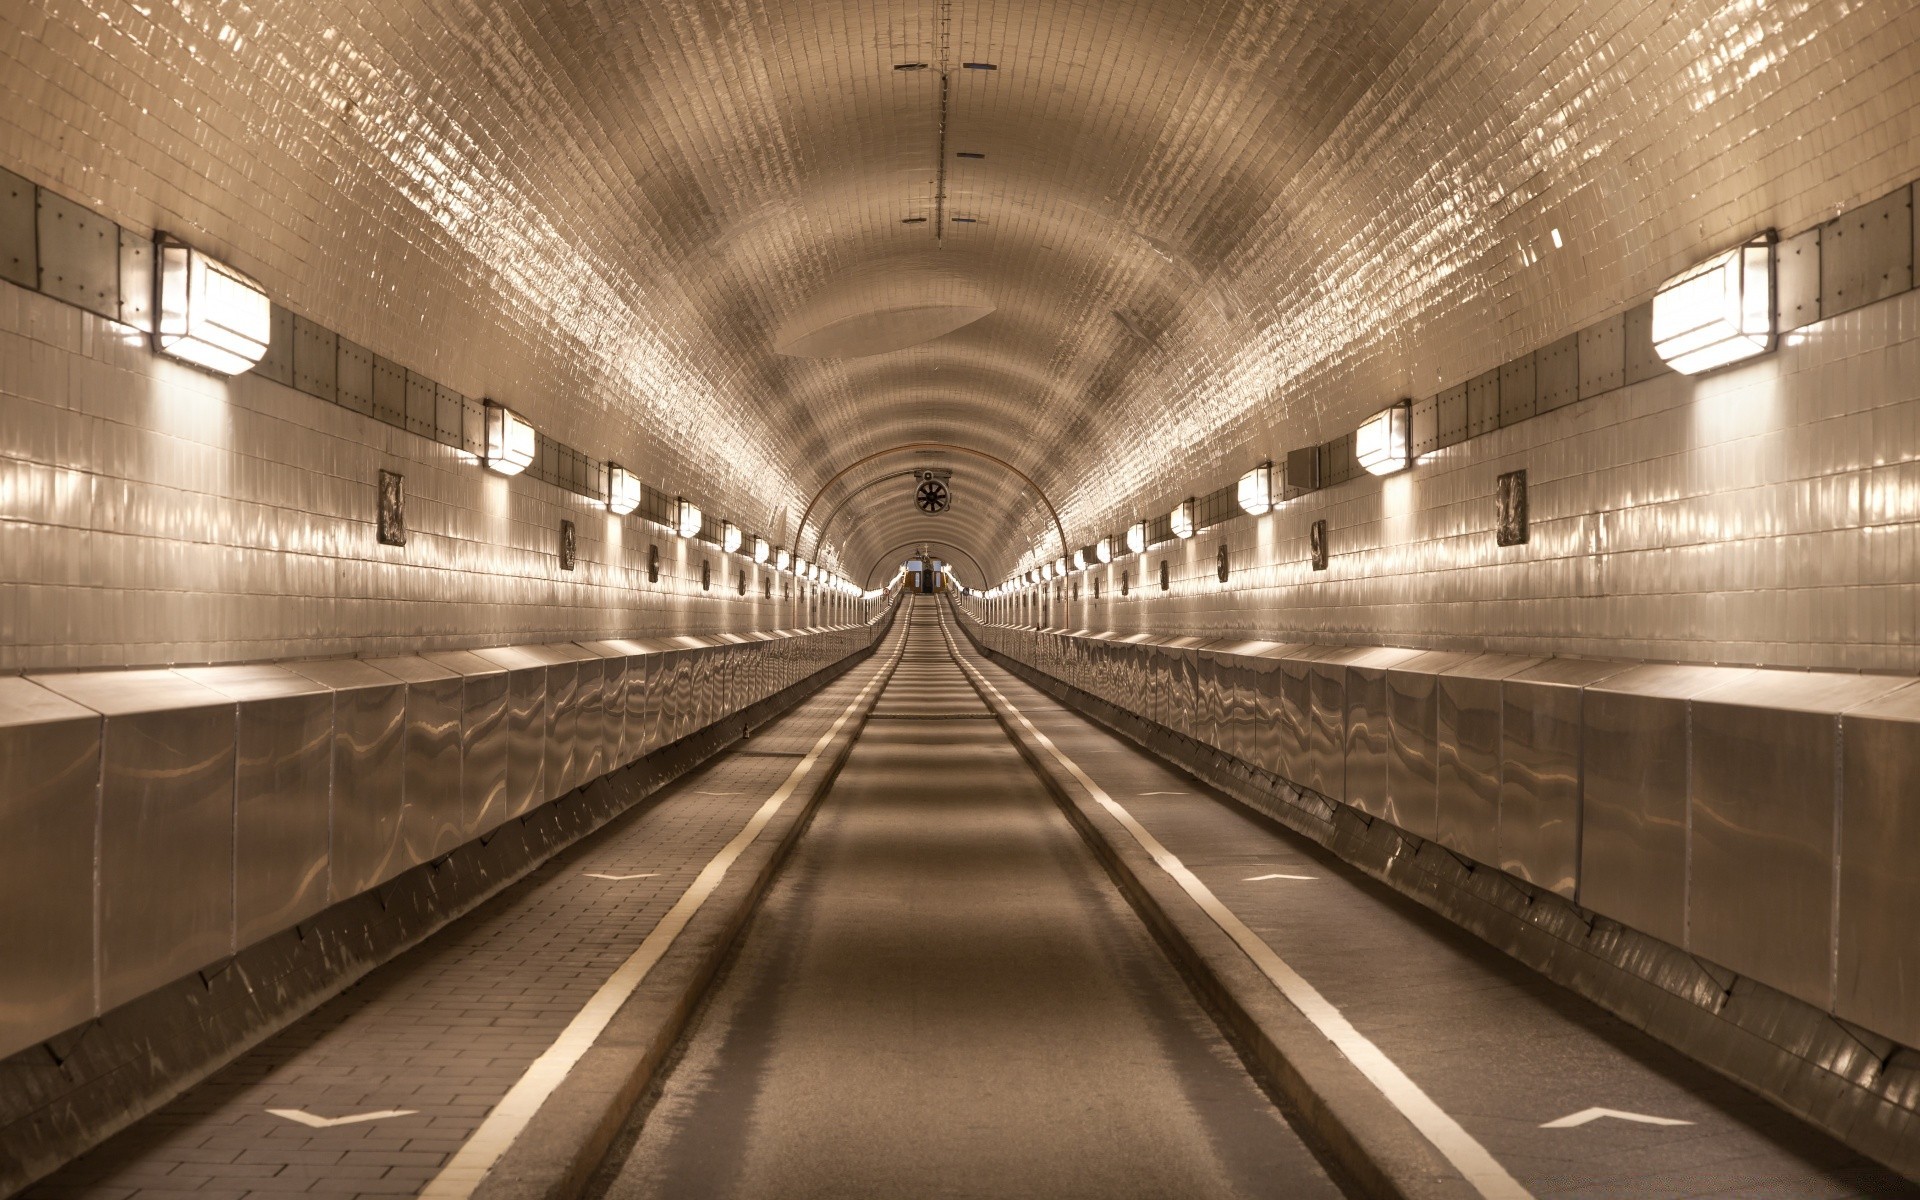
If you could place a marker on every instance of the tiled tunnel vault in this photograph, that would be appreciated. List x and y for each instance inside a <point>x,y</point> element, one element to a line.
<point>1208,231</point>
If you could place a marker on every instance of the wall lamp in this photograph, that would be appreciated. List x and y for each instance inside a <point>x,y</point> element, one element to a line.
<point>1079,560</point>
<point>623,490</point>
<point>209,314</point>
<point>1182,519</point>
<point>687,518</point>
<point>1256,490</point>
<point>760,549</point>
<point>1137,537</point>
<point>1103,550</point>
<point>1384,444</point>
<point>730,537</point>
<point>1718,312</point>
<point>782,559</point>
<point>510,440</point>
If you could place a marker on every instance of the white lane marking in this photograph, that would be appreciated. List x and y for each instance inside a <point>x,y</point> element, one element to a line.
<point>1166,793</point>
<point>1587,1115</point>
<point>1458,1146</point>
<point>312,1122</point>
<point>618,878</point>
<point>464,1171</point>
<point>716,793</point>
<point>1264,878</point>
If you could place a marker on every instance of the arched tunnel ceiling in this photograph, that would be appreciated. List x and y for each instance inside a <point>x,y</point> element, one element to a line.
<point>1207,231</point>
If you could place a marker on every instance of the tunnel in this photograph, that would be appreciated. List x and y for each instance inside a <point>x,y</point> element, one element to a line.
<point>959,598</point>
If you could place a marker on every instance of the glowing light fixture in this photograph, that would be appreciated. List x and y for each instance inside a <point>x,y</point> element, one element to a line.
<point>1079,560</point>
<point>687,518</point>
<point>799,565</point>
<point>510,440</point>
<point>209,314</point>
<point>782,559</point>
<point>730,537</point>
<point>1059,568</point>
<point>1136,537</point>
<point>1719,312</point>
<point>1182,519</point>
<point>1385,443</point>
<point>623,490</point>
<point>1103,550</point>
<point>1256,490</point>
<point>760,549</point>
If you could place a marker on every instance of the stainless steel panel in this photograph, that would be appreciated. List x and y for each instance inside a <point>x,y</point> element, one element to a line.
<point>136,281</point>
<point>354,377</point>
<point>165,848</point>
<point>526,728</point>
<point>612,746</point>
<point>1797,277</point>
<point>79,256</point>
<point>1326,729</point>
<point>1866,254</point>
<point>1264,685</point>
<point>433,821</point>
<point>50,760</point>
<point>1764,810</point>
<point>1633,811</point>
<point>277,363</point>
<point>1519,393</point>
<point>1643,362</point>
<point>1557,373</point>
<point>19,248</point>
<point>1369,738</point>
<point>1413,751</point>
<point>369,773</point>
<point>1539,818</point>
<point>1877,982</point>
<point>283,783</point>
<point>1295,727</point>
<point>315,358</point>
<point>1602,356</point>
<point>1467,729</point>
<point>483,739</point>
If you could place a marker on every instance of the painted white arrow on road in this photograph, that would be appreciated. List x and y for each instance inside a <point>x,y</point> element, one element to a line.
<point>312,1122</point>
<point>618,878</point>
<point>1587,1115</point>
<point>1264,878</point>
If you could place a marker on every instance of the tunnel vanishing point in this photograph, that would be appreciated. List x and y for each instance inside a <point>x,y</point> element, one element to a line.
<point>959,598</point>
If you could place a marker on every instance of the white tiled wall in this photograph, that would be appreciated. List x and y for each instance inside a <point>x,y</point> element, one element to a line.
<point>1769,514</point>
<point>150,513</point>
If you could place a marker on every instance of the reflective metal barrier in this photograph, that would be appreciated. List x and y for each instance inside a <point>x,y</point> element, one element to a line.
<point>154,822</point>
<point>1765,821</point>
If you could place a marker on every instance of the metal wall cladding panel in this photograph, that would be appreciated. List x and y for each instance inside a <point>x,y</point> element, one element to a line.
<point>165,834</point>
<point>527,724</point>
<point>483,739</point>
<point>19,247</point>
<point>1467,734</point>
<point>1193,710</point>
<point>1797,279</point>
<point>50,759</point>
<point>1483,403</point>
<point>1426,426</point>
<point>1265,679</point>
<point>1519,391</point>
<point>1556,373</point>
<point>1633,810</point>
<point>136,281</point>
<point>1234,668</point>
<point>449,416</point>
<point>1866,254</point>
<point>283,790</point>
<point>1878,955</point>
<point>590,758</point>
<point>1452,423</point>
<point>1413,749</point>
<point>423,404</point>
<point>354,377</point>
<point>79,256</point>
<point>389,392</point>
<point>315,358</point>
<point>1764,810</point>
<point>369,773</point>
<point>1326,729</point>
<point>277,363</point>
<point>618,746</point>
<point>1369,739</point>
<point>1636,331</point>
<point>1295,711</point>
<point>1539,819</point>
<point>434,819</point>
<point>1603,356</point>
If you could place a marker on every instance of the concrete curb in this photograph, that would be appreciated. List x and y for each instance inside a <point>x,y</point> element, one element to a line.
<point>558,1152</point>
<point>1369,1140</point>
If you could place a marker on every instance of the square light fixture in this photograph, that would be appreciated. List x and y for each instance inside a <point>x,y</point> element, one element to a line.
<point>799,566</point>
<point>1079,560</point>
<point>1256,490</point>
<point>1137,537</point>
<point>782,559</point>
<point>1103,550</point>
<point>1718,312</point>
<point>687,518</point>
<point>1385,443</point>
<point>1182,519</point>
<point>510,440</point>
<point>730,537</point>
<point>623,490</point>
<point>208,314</point>
<point>760,549</point>
<point>1059,568</point>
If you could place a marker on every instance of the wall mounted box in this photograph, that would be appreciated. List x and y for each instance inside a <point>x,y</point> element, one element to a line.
<point>1762,812</point>
<point>1369,739</point>
<point>369,772</point>
<point>527,726</point>
<point>1633,810</point>
<point>483,739</point>
<point>283,794</point>
<point>50,759</point>
<point>1413,746</point>
<point>1877,961</point>
<point>1538,835</point>
<point>1467,727</point>
<point>165,832</point>
<point>433,820</point>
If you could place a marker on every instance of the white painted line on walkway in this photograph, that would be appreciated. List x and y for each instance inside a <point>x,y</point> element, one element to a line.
<point>1587,1115</point>
<point>1458,1146</point>
<point>1166,793</point>
<point>302,1117</point>
<point>618,878</point>
<point>464,1171</point>
<point>1264,878</point>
